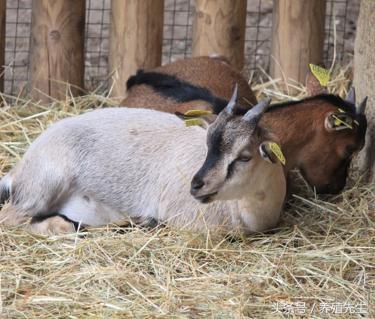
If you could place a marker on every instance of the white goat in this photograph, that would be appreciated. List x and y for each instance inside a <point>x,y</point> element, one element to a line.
<point>113,164</point>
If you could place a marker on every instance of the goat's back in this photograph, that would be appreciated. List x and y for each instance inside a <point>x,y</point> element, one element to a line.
<point>120,156</point>
<point>218,77</point>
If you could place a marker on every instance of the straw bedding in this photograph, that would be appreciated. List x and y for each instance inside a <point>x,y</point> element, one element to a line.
<point>318,263</point>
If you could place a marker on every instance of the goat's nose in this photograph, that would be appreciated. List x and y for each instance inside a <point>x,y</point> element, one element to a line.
<point>196,184</point>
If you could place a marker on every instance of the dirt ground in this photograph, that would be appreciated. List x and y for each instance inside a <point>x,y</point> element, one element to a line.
<point>177,36</point>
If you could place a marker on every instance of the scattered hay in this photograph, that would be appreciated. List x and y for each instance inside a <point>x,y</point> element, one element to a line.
<point>320,257</point>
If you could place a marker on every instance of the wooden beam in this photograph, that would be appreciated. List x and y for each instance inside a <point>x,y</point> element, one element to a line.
<point>57,48</point>
<point>136,39</point>
<point>297,38</point>
<point>2,42</point>
<point>219,28</point>
<point>364,82</point>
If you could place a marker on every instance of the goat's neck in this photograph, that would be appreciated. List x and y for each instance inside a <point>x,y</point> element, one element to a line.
<point>260,208</point>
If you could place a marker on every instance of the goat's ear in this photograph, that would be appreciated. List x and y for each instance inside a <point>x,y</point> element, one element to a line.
<point>338,121</point>
<point>271,152</point>
<point>362,107</point>
<point>350,97</point>
<point>313,84</point>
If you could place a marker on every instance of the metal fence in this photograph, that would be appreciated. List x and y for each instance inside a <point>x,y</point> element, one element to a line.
<point>341,17</point>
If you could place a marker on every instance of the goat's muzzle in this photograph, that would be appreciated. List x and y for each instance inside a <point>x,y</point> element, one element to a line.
<point>197,191</point>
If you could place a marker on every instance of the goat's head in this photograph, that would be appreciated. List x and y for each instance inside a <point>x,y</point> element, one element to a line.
<point>234,150</point>
<point>339,135</point>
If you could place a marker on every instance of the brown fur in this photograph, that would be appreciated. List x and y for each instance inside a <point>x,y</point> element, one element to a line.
<point>211,73</point>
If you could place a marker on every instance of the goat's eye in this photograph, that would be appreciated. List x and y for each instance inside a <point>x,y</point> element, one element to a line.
<point>244,158</point>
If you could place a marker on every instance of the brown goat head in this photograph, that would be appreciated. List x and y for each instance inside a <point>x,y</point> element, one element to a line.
<point>319,135</point>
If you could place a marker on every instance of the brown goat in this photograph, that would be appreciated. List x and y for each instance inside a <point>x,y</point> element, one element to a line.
<point>312,138</point>
<point>197,71</point>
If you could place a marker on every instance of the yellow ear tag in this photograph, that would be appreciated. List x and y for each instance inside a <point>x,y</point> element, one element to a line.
<point>194,122</point>
<point>275,148</point>
<point>321,74</point>
<point>192,113</point>
<point>338,122</point>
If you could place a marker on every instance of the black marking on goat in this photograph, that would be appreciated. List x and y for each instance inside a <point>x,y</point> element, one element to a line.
<point>41,217</point>
<point>212,158</point>
<point>4,194</point>
<point>147,223</point>
<point>215,140</point>
<point>362,127</point>
<point>152,223</point>
<point>230,170</point>
<point>214,154</point>
<point>330,98</point>
<point>172,87</point>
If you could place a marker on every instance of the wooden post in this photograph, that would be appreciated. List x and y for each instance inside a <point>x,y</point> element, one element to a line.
<point>297,38</point>
<point>2,42</point>
<point>364,82</point>
<point>57,48</point>
<point>136,39</point>
<point>219,28</point>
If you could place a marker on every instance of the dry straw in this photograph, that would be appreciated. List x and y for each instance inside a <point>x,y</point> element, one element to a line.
<point>321,254</point>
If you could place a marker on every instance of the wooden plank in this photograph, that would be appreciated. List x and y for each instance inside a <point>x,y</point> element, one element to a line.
<point>57,48</point>
<point>297,38</point>
<point>136,39</point>
<point>219,28</point>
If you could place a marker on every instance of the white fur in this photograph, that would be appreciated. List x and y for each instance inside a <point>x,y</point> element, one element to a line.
<point>110,164</point>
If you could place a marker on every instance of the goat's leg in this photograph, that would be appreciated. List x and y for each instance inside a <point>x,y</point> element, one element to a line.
<point>85,209</point>
<point>54,225</point>
<point>10,215</point>
<point>34,193</point>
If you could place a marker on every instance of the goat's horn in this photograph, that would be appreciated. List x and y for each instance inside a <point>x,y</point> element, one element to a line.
<point>351,96</point>
<point>231,104</point>
<point>255,112</point>
<point>362,106</point>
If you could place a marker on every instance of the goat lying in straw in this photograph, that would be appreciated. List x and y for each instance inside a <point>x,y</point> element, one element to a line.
<point>107,165</point>
<point>318,135</point>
